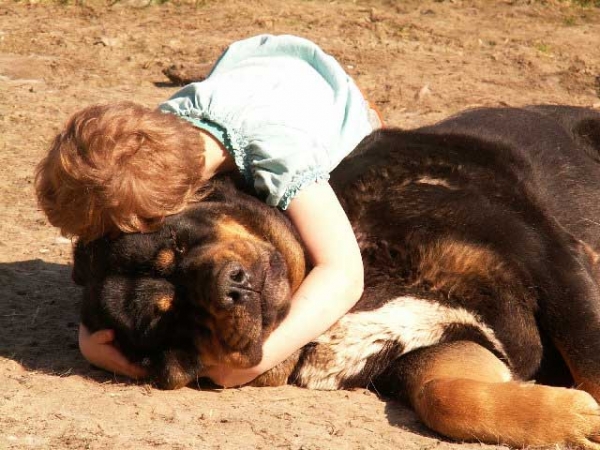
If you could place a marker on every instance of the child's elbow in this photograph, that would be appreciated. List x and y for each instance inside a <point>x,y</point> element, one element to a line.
<point>354,293</point>
<point>358,287</point>
<point>355,278</point>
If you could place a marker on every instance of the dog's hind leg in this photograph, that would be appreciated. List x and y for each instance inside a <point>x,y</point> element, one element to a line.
<point>570,312</point>
<point>463,391</point>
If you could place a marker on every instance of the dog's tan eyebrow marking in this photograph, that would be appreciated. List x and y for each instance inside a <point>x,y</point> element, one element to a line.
<point>165,259</point>
<point>229,228</point>
<point>163,302</point>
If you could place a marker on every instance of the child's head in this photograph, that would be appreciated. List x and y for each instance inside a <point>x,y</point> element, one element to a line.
<point>119,167</point>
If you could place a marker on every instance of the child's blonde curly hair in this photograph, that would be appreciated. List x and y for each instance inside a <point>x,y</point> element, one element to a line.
<point>119,168</point>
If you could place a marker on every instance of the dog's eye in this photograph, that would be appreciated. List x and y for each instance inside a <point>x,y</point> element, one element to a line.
<point>165,260</point>
<point>146,362</point>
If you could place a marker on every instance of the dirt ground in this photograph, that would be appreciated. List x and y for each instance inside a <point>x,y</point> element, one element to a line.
<point>417,61</point>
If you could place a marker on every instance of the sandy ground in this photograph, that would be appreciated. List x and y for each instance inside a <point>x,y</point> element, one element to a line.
<point>417,61</point>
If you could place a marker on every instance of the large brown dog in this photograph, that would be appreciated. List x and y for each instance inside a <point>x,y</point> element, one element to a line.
<point>480,237</point>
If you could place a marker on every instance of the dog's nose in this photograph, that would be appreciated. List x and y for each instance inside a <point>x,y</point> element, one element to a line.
<point>234,285</point>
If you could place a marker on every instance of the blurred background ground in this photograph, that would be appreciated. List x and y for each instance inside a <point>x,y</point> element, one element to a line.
<point>417,61</point>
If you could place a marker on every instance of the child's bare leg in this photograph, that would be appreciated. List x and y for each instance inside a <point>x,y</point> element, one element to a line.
<point>182,74</point>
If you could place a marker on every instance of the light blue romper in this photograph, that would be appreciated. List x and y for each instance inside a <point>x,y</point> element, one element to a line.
<point>285,110</point>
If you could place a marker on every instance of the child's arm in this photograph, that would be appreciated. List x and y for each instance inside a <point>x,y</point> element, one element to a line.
<point>332,287</point>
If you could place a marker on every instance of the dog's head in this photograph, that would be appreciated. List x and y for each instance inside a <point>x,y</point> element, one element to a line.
<point>207,288</point>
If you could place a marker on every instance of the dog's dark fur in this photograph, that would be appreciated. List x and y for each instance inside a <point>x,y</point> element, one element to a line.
<point>480,237</point>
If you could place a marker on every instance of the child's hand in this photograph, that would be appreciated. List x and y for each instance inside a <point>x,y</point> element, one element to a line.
<point>99,350</point>
<point>229,377</point>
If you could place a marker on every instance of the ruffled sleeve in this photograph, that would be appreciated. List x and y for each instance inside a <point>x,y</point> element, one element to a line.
<point>284,163</point>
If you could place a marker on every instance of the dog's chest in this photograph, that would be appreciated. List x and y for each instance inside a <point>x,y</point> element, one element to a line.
<point>349,349</point>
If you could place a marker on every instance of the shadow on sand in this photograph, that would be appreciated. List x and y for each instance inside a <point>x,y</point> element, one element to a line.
<point>39,318</point>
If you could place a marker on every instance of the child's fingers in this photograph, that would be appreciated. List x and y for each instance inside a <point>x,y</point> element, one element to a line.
<point>99,350</point>
<point>122,365</point>
<point>103,336</point>
<point>97,337</point>
<point>228,377</point>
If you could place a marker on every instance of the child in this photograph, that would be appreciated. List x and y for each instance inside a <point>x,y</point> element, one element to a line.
<point>276,108</point>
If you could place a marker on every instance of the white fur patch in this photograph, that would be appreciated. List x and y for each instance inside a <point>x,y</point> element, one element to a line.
<point>343,350</point>
<point>435,182</point>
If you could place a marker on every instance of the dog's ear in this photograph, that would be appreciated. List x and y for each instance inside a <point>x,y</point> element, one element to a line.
<point>80,273</point>
<point>90,261</point>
